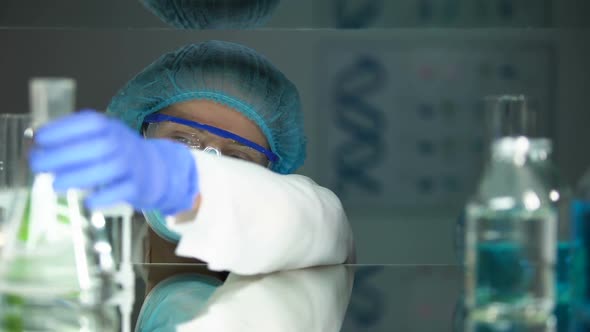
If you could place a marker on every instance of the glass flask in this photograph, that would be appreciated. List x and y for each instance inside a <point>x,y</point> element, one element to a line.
<point>56,269</point>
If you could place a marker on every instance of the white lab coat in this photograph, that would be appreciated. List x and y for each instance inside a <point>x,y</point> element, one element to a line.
<point>252,220</point>
<point>310,300</point>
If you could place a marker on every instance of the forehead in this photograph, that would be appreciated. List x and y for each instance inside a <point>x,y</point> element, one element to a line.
<point>218,115</point>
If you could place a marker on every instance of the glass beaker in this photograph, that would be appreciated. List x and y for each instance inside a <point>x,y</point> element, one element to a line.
<point>13,179</point>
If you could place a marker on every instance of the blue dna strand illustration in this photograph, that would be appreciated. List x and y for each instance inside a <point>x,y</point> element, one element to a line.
<point>363,149</point>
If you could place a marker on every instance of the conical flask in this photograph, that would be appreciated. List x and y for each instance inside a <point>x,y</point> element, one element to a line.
<point>56,269</point>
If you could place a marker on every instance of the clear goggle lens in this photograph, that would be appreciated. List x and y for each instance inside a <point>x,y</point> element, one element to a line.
<point>201,139</point>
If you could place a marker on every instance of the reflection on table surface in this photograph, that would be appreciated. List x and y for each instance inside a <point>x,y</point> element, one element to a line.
<point>232,14</point>
<point>383,298</point>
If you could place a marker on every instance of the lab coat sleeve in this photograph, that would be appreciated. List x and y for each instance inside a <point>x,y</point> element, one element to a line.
<point>310,300</point>
<point>253,221</point>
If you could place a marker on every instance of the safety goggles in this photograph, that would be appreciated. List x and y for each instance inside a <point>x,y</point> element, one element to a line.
<point>204,137</point>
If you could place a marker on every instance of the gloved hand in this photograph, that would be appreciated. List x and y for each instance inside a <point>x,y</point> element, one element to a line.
<point>91,151</point>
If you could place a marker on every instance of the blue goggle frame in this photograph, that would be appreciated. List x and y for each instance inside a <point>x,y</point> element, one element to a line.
<point>156,118</point>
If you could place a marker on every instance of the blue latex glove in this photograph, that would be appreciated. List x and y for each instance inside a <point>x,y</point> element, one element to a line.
<point>90,151</point>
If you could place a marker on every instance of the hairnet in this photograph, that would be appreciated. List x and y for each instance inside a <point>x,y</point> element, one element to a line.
<point>212,14</point>
<point>174,301</point>
<point>228,73</point>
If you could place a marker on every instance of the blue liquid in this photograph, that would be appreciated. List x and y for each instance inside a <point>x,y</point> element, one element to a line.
<point>503,275</point>
<point>563,286</point>
<point>581,216</point>
<point>581,266</point>
<point>509,277</point>
<point>510,272</point>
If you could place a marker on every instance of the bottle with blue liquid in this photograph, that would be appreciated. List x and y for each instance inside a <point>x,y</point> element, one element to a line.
<point>511,229</point>
<point>560,196</point>
<point>581,263</point>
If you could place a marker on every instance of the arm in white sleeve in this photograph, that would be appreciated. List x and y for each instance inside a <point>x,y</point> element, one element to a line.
<point>311,300</point>
<point>252,220</point>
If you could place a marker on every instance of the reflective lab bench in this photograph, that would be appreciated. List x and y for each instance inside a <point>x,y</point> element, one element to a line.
<point>331,298</point>
<point>347,298</point>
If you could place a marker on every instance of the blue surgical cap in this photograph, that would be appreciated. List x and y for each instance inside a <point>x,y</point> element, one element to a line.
<point>212,14</point>
<point>176,300</point>
<point>228,73</point>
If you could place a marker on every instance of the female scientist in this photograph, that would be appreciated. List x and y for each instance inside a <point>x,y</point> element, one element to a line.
<point>223,132</point>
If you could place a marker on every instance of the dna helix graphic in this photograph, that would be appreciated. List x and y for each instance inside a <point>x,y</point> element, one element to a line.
<point>363,124</point>
<point>367,306</point>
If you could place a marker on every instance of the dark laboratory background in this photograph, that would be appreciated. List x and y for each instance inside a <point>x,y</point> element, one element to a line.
<point>392,93</point>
